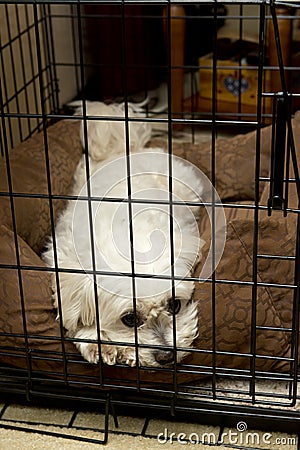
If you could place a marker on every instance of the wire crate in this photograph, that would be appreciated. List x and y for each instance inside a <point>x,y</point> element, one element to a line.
<point>172,61</point>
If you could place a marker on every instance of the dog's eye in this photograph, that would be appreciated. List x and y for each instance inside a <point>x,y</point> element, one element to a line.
<point>130,320</point>
<point>174,306</point>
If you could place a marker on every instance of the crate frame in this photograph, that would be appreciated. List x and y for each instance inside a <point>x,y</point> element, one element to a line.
<point>166,402</point>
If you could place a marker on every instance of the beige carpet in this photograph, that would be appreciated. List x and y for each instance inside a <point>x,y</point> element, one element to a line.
<point>33,427</point>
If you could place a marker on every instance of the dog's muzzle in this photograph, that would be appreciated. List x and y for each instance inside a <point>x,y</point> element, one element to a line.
<point>164,357</point>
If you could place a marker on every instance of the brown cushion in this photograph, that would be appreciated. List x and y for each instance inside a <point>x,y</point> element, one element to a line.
<point>278,236</point>
<point>28,168</point>
<point>233,301</point>
<point>233,306</point>
<point>282,232</point>
<point>234,162</point>
<point>43,351</point>
<point>34,297</point>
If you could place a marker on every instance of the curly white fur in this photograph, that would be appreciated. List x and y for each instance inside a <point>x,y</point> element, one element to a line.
<point>147,298</point>
<point>105,136</point>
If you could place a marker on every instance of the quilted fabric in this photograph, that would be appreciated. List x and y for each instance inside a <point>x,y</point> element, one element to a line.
<point>234,162</point>
<point>233,297</point>
<point>32,308</point>
<point>28,165</point>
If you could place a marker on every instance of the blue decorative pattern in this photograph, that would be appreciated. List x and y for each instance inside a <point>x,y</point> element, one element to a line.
<point>236,86</point>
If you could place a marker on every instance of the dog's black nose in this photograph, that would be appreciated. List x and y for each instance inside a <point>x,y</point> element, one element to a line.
<point>164,357</point>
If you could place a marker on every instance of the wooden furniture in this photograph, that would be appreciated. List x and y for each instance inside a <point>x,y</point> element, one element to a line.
<point>177,36</point>
<point>175,33</point>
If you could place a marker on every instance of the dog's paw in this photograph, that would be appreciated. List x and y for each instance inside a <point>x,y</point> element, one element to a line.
<point>109,354</point>
<point>127,356</point>
<point>130,362</point>
<point>90,352</point>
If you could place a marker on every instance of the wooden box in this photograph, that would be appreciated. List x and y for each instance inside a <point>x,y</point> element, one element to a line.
<point>236,88</point>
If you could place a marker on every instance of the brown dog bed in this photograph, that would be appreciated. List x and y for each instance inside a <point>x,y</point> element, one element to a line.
<point>31,338</point>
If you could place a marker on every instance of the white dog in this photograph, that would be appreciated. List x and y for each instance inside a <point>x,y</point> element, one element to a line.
<point>123,253</point>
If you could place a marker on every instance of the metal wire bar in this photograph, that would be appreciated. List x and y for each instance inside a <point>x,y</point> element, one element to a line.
<point>47,160</point>
<point>256,200</point>
<point>88,186</point>
<point>213,181</point>
<point>129,189</point>
<point>16,243</point>
<point>170,188</point>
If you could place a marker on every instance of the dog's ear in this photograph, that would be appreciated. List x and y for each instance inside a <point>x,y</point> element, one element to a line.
<point>78,297</point>
<point>107,136</point>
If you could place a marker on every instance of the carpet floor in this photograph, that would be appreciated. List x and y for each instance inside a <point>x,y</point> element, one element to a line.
<point>24,427</point>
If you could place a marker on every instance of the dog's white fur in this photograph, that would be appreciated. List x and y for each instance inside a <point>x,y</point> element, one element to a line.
<point>155,319</point>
